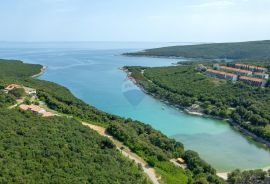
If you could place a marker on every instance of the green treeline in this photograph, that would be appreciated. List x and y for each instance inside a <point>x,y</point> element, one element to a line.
<point>241,50</point>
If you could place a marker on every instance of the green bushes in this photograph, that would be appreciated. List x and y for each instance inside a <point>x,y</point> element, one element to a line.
<point>17,92</point>
<point>6,99</point>
<point>249,177</point>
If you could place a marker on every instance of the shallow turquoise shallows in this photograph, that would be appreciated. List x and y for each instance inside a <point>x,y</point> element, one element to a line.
<point>91,72</point>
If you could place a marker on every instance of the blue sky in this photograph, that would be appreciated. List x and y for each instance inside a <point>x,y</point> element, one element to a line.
<point>138,20</point>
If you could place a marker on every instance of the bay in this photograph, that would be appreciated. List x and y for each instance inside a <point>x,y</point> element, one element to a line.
<point>91,71</point>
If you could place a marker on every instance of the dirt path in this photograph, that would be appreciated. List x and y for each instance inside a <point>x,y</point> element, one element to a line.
<point>127,153</point>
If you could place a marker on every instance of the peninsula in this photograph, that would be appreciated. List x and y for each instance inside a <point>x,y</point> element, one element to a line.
<point>240,50</point>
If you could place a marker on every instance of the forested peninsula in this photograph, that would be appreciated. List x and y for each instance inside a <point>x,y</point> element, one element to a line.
<point>59,149</point>
<point>240,50</point>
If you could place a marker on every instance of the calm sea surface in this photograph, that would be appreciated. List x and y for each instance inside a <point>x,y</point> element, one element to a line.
<point>91,72</point>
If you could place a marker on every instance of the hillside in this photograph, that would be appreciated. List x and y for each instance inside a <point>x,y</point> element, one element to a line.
<point>240,50</point>
<point>92,158</point>
<point>58,150</point>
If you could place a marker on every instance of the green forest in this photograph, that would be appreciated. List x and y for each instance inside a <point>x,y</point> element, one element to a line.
<point>61,147</point>
<point>61,150</point>
<point>58,150</point>
<point>14,68</point>
<point>240,50</point>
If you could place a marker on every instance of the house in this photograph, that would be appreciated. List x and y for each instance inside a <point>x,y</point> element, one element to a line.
<point>253,81</point>
<point>221,75</point>
<point>236,71</point>
<point>32,107</point>
<point>36,109</point>
<point>252,68</point>
<point>24,107</point>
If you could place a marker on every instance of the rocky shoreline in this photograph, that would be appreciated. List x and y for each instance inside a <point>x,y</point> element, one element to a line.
<point>42,71</point>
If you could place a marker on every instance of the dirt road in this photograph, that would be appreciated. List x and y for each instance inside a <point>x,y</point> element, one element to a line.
<point>149,171</point>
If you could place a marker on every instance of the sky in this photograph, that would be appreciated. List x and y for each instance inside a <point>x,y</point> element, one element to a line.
<point>137,20</point>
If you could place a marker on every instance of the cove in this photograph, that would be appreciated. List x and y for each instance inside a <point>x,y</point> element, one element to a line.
<point>91,71</point>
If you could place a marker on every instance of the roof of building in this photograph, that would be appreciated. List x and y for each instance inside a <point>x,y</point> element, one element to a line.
<point>24,107</point>
<point>250,66</point>
<point>37,109</point>
<point>216,71</point>
<point>12,86</point>
<point>251,79</point>
<point>231,74</point>
<point>234,69</point>
<point>47,114</point>
<point>222,73</point>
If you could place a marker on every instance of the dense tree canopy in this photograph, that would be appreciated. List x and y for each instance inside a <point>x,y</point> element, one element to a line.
<point>13,68</point>
<point>58,150</point>
<point>241,50</point>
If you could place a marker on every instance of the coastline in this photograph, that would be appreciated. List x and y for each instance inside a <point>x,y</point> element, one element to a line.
<point>42,71</point>
<point>224,175</point>
<point>234,125</point>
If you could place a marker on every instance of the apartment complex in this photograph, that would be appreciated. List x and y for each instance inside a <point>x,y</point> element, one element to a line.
<point>221,75</point>
<point>236,70</point>
<point>253,81</point>
<point>249,74</point>
<point>252,68</point>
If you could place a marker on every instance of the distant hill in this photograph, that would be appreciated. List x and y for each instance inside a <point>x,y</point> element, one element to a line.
<point>239,50</point>
<point>17,69</point>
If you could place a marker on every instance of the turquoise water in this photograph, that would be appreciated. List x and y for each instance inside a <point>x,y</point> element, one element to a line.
<point>91,72</point>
